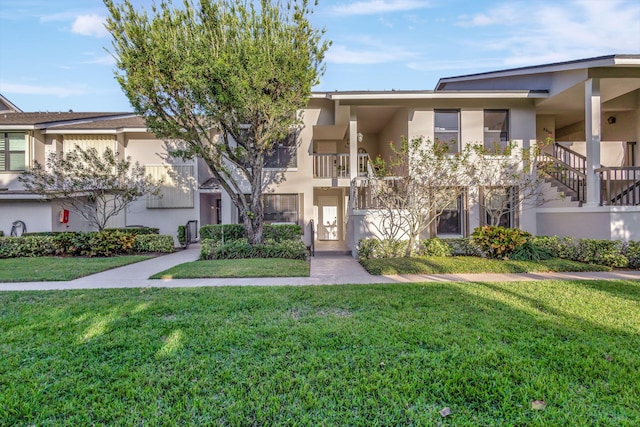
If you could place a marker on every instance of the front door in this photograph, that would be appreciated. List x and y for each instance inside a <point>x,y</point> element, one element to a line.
<point>328,218</point>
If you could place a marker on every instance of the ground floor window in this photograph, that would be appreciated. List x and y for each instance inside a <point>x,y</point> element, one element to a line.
<point>498,204</point>
<point>280,208</point>
<point>452,216</point>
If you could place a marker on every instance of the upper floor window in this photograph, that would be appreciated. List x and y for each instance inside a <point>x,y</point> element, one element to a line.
<point>496,130</point>
<point>447,128</point>
<point>284,153</point>
<point>13,149</point>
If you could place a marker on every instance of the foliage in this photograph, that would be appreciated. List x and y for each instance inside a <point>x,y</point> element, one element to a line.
<point>182,235</point>
<point>53,269</point>
<point>136,230</point>
<point>415,186</point>
<point>249,268</point>
<point>504,180</point>
<point>230,232</point>
<point>463,246</point>
<point>529,251</point>
<point>602,252</point>
<point>632,251</point>
<point>91,244</point>
<point>386,248</point>
<point>435,247</point>
<point>95,186</point>
<point>241,69</point>
<point>499,242</point>
<point>470,265</point>
<point>153,243</point>
<point>239,249</point>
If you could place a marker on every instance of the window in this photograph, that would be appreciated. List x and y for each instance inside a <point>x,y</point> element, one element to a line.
<point>498,203</point>
<point>280,208</point>
<point>177,186</point>
<point>496,130</point>
<point>447,128</point>
<point>284,153</point>
<point>450,220</point>
<point>13,149</point>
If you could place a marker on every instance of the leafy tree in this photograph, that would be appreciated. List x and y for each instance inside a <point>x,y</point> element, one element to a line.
<point>504,180</point>
<point>97,187</point>
<point>224,77</point>
<point>415,186</point>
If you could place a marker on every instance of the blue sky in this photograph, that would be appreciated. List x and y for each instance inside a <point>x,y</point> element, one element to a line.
<point>53,57</point>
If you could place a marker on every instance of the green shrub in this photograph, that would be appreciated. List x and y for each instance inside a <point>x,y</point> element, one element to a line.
<point>529,251</point>
<point>386,248</point>
<point>499,242</point>
<point>26,246</point>
<point>602,252</point>
<point>463,246</point>
<point>222,232</point>
<point>240,249</point>
<point>231,232</point>
<point>632,251</point>
<point>136,230</point>
<point>182,235</point>
<point>434,247</point>
<point>109,243</point>
<point>161,243</point>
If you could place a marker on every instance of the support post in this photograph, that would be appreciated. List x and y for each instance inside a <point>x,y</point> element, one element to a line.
<point>353,144</point>
<point>593,126</point>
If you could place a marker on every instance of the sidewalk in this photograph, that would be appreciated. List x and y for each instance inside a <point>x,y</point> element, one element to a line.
<point>325,270</point>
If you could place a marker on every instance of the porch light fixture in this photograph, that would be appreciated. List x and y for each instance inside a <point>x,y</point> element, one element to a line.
<point>360,137</point>
<point>611,120</point>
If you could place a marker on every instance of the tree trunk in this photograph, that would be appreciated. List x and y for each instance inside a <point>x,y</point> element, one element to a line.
<point>254,220</point>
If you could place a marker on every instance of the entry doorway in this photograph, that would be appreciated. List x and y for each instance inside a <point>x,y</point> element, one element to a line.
<point>328,218</point>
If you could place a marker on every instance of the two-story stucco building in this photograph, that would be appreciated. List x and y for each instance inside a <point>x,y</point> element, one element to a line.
<point>589,107</point>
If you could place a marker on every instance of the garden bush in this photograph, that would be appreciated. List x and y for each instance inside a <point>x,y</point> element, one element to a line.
<point>529,251</point>
<point>602,252</point>
<point>136,230</point>
<point>463,246</point>
<point>499,242</point>
<point>27,246</point>
<point>160,243</point>
<point>240,249</point>
<point>386,248</point>
<point>434,247</point>
<point>182,235</point>
<point>231,232</point>
<point>632,251</point>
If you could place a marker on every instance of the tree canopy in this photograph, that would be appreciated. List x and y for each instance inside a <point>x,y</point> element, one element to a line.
<point>226,78</point>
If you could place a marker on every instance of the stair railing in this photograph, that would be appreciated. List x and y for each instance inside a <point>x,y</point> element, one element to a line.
<point>567,167</point>
<point>620,186</point>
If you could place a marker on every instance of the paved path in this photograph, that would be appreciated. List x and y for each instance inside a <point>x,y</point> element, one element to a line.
<point>325,270</point>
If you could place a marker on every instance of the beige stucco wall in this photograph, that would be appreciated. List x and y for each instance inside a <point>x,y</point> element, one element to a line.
<point>599,222</point>
<point>35,214</point>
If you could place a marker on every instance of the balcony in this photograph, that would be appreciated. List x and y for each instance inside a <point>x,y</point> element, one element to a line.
<point>336,166</point>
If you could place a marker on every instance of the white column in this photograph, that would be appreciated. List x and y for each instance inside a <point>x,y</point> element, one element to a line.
<point>592,110</point>
<point>353,143</point>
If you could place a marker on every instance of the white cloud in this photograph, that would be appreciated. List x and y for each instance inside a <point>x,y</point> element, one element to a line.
<point>89,25</point>
<point>28,89</point>
<point>370,7</point>
<point>527,33</point>
<point>102,60</point>
<point>340,54</point>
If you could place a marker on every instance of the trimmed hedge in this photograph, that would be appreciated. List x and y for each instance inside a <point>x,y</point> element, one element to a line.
<point>128,230</point>
<point>499,242</point>
<point>240,249</point>
<point>92,244</point>
<point>231,232</point>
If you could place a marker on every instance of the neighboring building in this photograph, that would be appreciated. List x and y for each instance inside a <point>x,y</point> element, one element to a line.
<point>591,107</point>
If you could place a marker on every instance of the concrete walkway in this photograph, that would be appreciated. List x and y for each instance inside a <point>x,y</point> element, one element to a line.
<point>325,270</point>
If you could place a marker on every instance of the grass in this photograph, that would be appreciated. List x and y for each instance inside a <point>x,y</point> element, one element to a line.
<point>254,267</point>
<point>324,355</point>
<point>464,264</point>
<point>59,268</point>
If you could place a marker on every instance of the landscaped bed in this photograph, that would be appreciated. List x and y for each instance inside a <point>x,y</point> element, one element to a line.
<point>328,355</point>
<point>467,264</point>
<point>252,267</point>
<point>36,269</point>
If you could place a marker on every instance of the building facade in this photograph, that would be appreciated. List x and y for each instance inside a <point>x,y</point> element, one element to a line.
<point>589,108</point>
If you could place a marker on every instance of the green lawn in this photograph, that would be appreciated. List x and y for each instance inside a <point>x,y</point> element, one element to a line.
<point>465,264</point>
<point>324,355</point>
<point>59,268</point>
<point>254,267</point>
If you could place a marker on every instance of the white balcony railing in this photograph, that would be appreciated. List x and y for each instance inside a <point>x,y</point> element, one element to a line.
<point>331,165</point>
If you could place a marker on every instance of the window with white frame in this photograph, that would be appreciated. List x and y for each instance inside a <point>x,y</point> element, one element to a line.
<point>496,130</point>
<point>447,129</point>
<point>280,208</point>
<point>13,151</point>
